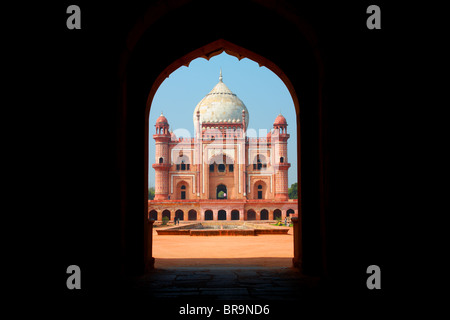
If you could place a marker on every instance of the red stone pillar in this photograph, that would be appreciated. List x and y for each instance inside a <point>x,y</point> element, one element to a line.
<point>215,214</point>
<point>297,226</point>
<point>202,215</point>
<point>149,260</point>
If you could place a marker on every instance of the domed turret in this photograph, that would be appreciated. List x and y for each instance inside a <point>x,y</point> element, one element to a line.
<point>162,125</point>
<point>280,124</point>
<point>161,120</point>
<point>222,106</point>
<point>280,120</point>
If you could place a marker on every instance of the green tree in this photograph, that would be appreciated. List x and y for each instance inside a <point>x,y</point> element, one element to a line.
<point>293,192</point>
<point>151,193</point>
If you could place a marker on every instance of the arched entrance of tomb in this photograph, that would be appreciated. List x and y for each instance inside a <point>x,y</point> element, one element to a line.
<point>179,214</point>
<point>208,215</point>
<point>259,190</point>
<point>192,215</point>
<point>151,56</point>
<point>221,192</point>
<point>182,190</point>
<point>234,214</point>
<point>289,212</point>
<point>222,215</point>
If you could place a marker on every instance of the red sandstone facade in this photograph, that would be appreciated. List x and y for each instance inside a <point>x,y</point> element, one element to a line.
<point>221,174</point>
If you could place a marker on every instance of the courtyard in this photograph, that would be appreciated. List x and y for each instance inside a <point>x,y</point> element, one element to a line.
<point>175,251</point>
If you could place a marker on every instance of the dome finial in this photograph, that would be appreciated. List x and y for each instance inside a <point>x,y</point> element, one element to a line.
<point>220,76</point>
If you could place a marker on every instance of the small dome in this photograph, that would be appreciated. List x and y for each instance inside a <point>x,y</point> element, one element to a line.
<point>162,120</point>
<point>280,120</point>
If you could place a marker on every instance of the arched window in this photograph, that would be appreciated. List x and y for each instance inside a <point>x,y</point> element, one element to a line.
<point>183,192</point>
<point>161,160</point>
<point>281,159</point>
<point>260,162</point>
<point>260,193</point>
<point>221,167</point>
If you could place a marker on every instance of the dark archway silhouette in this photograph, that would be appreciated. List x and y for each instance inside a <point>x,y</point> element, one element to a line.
<point>192,215</point>
<point>264,214</point>
<point>235,215</point>
<point>222,215</point>
<point>179,214</point>
<point>208,215</point>
<point>166,213</point>
<point>289,50</point>
<point>153,215</point>
<point>277,214</point>
<point>251,214</point>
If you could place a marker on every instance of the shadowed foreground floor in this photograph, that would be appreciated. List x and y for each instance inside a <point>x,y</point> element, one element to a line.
<point>225,282</point>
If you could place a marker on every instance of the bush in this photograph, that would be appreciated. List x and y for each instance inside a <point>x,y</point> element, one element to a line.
<point>165,220</point>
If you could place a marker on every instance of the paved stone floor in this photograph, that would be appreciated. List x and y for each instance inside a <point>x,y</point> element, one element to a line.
<point>225,283</point>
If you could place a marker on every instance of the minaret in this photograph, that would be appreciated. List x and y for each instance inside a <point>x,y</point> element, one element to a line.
<point>281,165</point>
<point>162,159</point>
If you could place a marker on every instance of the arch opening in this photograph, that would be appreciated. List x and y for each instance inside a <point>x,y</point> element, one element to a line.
<point>179,214</point>
<point>221,192</point>
<point>251,214</point>
<point>235,215</point>
<point>241,56</point>
<point>192,215</point>
<point>264,214</point>
<point>208,215</point>
<point>222,215</point>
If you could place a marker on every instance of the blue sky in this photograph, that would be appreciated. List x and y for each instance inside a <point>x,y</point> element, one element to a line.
<point>263,93</point>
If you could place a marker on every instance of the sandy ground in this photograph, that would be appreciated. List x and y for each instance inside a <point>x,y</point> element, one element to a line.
<point>185,251</point>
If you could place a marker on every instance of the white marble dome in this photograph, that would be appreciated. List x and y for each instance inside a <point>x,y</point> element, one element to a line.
<point>222,106</point>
